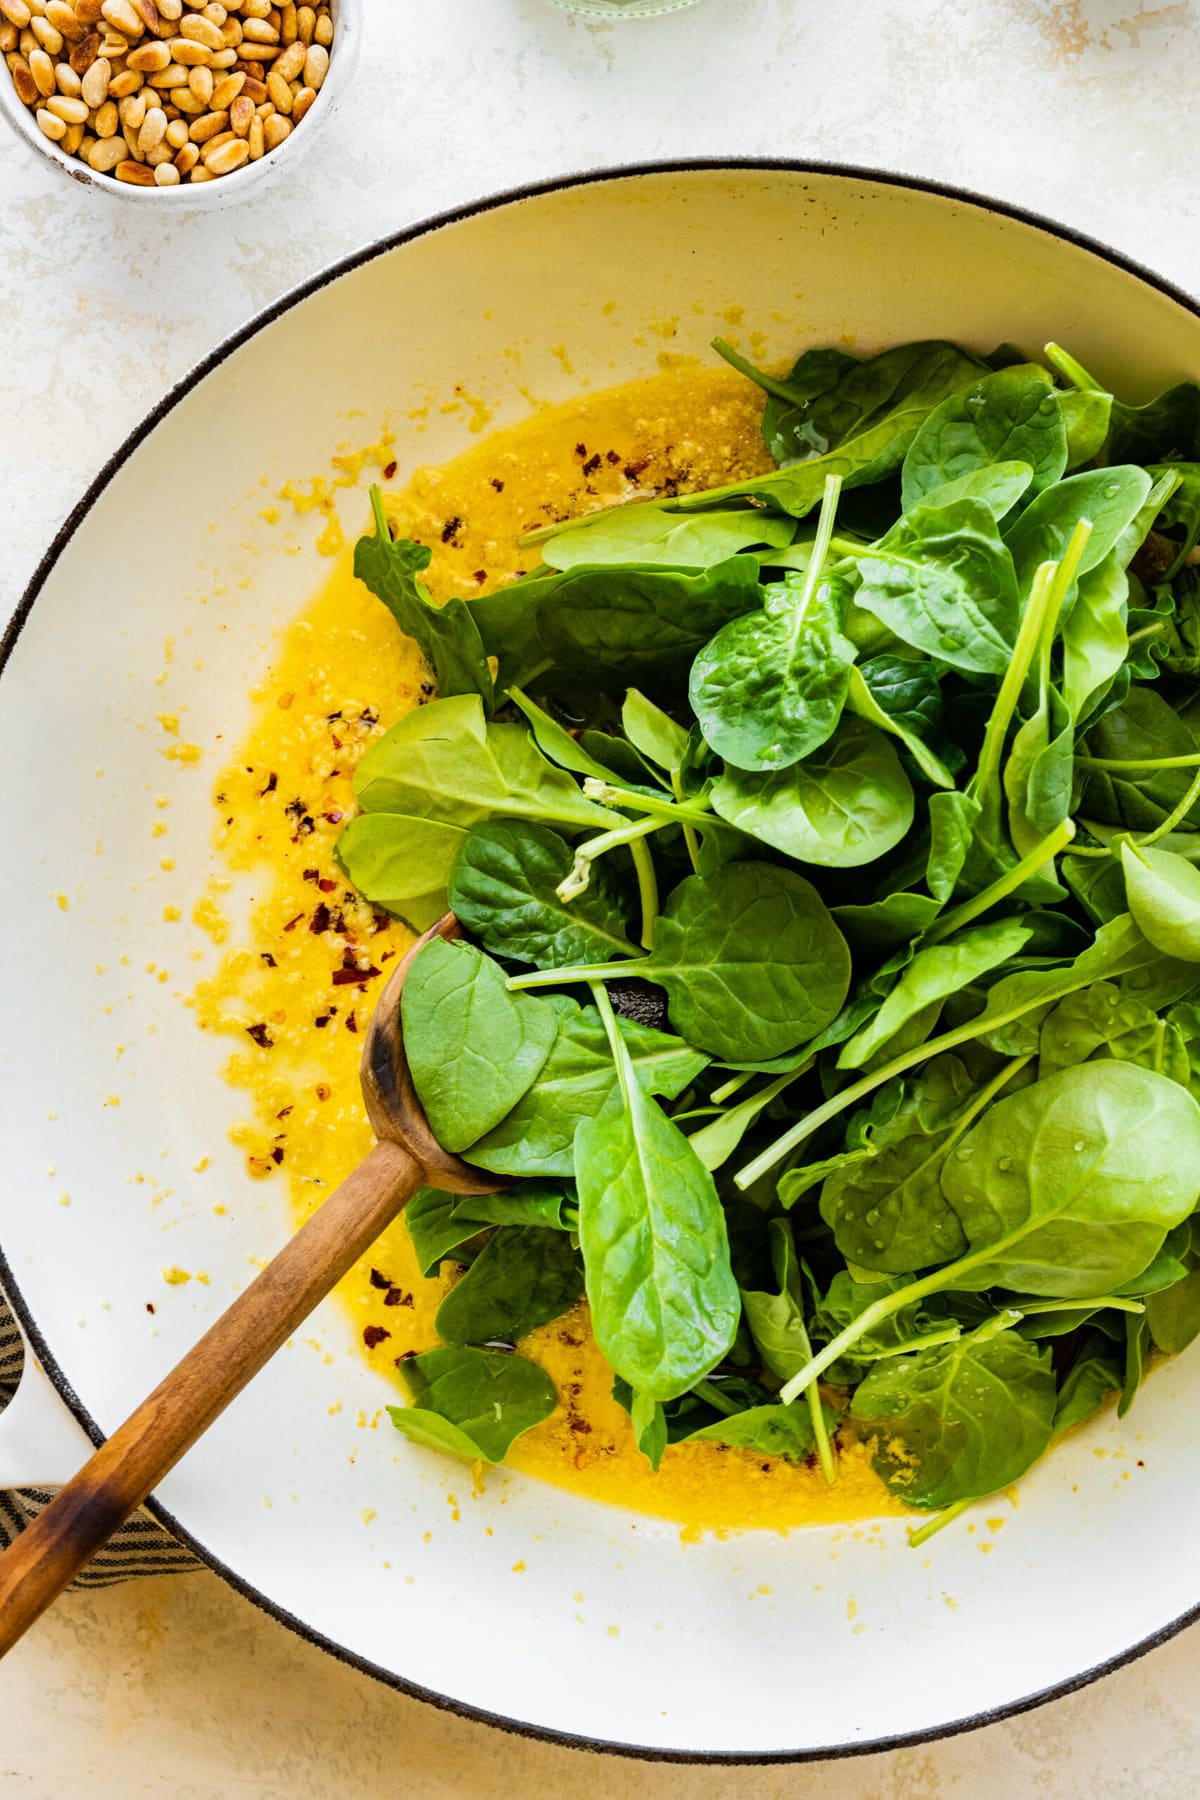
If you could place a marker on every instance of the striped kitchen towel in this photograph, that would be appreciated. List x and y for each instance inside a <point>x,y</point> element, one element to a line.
<point>141,1547</point>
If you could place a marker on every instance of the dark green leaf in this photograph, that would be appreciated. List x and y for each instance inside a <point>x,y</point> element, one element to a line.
<point>524,1277</point>
<point>503,890</point>
<point>472,1403</point>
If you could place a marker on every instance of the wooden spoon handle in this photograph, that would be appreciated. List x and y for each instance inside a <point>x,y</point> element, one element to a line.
<point>95,1502</point>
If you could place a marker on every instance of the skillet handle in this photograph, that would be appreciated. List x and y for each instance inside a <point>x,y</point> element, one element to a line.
<point>82,1517</point>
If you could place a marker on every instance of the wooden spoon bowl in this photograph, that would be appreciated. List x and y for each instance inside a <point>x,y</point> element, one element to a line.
<point>130,1464</point>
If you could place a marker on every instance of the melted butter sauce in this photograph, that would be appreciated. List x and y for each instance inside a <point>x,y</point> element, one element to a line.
<point>296,997</point>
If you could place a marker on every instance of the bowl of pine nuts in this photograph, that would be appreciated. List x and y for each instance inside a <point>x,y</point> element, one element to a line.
<point>158,101</point>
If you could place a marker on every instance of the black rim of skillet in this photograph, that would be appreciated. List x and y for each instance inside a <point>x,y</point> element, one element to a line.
<point>75,519</point>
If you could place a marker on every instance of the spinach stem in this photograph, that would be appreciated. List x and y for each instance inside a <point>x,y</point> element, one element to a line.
<point>586,854</point>
<point>1050,847</point>
<point>666,812</point>
<point>770,384</point>
<point>597,972</point>
<point>647,882</point>
<point>1174,818</point>
<point>929,1340</point>
<point>690,839</point>
<point>931,1527</point>
<point>382,528</point>
<point>1071,371</point>
<point>821,543</point>
<point>1028,638</point>
<point>1138,762</point>
<point>711,1393</point>
<point>1028,1309</point>
<point>729,1088</point>
<point>616,1042</point>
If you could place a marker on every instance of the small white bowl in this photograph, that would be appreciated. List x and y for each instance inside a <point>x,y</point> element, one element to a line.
<point>343,58</point>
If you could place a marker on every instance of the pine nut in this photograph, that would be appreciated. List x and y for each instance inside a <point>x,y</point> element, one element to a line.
<point>185,101</point>
<point>74,137</point>
<point>9,37</point>
<point>112,44</point>
<point>257,9</point>
<point>190,54</point>
<point>200,173</point>
<point>257,53</point>
<point>301,103</point>
<point>87,11</point>
<point>170,11</point>
<point>256,139</point>
<point>231,34</point>
<point>214,12</point>
<point>68,81</point>
<point>255,88</point>
<point>240,115</point>
<point>177,133</point>
<point>104,155</point>
<point>258,31</point>
<point>161,153</point>
<point>173,76</point>
<point>147,11</point>
<point>225,158</point>
<point>42,70</point>
<point>135,173</point>
<point>153,130</point>
<point>26,86</point>
<point>306,24</point>
<point>17,13</point>
<point>208,126</point>
<point>200,30</point>
<point>222,59</point>
<point>121,16</point>
<point>106,120</point>
<point>166,175</point>
<point>275,129</point>
<point>72,112</point>
<point>127,82</point>
<point>51,127</point>
<point>225,91</point>
<point>316,67</point>
<point>148,58</point>
<point>290,62</point>
<point>64,20</point>
<point>94,86</point>
<point>287,24</point>
<point>200,81</point>
<point>186,157</point>
<point>323,31</point>
<point>280,92</point>
<point>50,40</point>
<point>84,53</point>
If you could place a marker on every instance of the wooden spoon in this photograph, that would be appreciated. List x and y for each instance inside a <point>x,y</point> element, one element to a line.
<point>83,1516</point>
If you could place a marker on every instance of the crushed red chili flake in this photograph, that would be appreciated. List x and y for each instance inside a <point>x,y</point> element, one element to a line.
<point>321,1021</point>
<point>581,449</point>
<point>333,818</point>
<point>374,1334</point>
<point>368,716</point>
<point>284,1111</point>
<point>354,977</point>
<point>389,471</point>
<point>611,458</point>
<point>633,470</point>
<point>292,923</point>
<point>481,576</point>
<point>451,529</point>
<point>380,1281</point>
<point>149,1306</point>
<point>592,464</point>
<point>268,959</point>
<point>327,885</point>
<point>272,784</point>
<point>351,1023</point>
<point>277,1155</point>
<point>261,1035</point>
<point>397,1297</point>
<point>498,485</point>
<point>310,874</point>
<point>320,919</point>
<point>405,1356</point>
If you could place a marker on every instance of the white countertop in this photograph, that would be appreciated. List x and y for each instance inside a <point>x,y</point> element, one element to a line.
<point>1080,109</point>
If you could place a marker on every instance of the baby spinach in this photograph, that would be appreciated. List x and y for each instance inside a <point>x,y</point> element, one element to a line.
<point>1007,417</point>
<point>880,693</point>
<point>1126,788</point>
<point>524,1277</point>
<point>654,532</point>
<point>473,1048</point>
<point>1166,428</point>
<point>400,863</point>
<point>577,1081</point>
<point>944,582</point>
<point>448,635</point>
<point>446,762</point>
<point>1094,1374</point>
<point>958,1421</point>
<point>1163,891</point>
<point>653,733</point>
<point>439,1223</point>
<point>503,889</point>
<point>664,1303</point>
<point>1109,499</point>
<point>472,1403</point>
<point>846,804</point>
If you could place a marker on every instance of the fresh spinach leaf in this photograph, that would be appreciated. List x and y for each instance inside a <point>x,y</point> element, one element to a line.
<point>944,582</point>
<point>400,863</point>
<point>654,532</point>
<point>1166,429</point>
<point>1145,727</point>
<point>503,889</point>
<point>1163,892</point>
<point>1008,417</point>
<point>847,804</point>
<point>473,1048</point>
<point>1110,499</point>
<point>524,1277</point>
<point>472,1403</point>
<point>1094,1374</point>
<point>653,733</point>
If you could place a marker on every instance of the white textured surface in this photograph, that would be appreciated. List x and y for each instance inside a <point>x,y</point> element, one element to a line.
<point>1080,109</point>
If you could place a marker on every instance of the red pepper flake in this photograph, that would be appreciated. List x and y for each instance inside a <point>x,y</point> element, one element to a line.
<point>368,716</point>
<point>277,1156</point>
<point>261,1035</point>
<point>268,959</point>
<point>149,1306</point>
<point>397,1297</point>
<point>633,470</point>
<point>379,1281</point>
<point>311,875</point>
<point>405,1356</point>
<point>498,485</point>
<point>389,471</point>
<point>581,449</point>
<point>321,1021</point>
<point>292,923</point>
<point>352,1023</point>
<point>327,885</point>
<point>481,576</point>
<point>611,458</point>
<point>592,464</point>
<point>320,920</point>
<point>451,529</point>
<point>333,818</point>
<point>284,1111</point>
<point>354,977</point>
<point>272,784</point>
<point>374,1334</point>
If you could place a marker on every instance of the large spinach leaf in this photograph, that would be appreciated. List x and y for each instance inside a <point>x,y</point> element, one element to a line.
<point>503,889</point>
<point>524,1277</point>
<point>1011,416</point>
<point>943,581</point>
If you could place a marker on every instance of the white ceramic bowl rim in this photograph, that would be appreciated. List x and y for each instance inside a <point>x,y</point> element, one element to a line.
<point>174,395</point>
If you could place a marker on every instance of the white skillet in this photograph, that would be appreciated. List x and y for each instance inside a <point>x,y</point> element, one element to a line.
<point>611,1632</point>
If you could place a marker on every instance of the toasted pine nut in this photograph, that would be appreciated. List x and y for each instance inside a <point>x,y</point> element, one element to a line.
<point>287,23</point>
<point>177,133</point>
<point>186,157</point>
<point>223,159</point>
<point>17,13</point>
<point>240,115</point>
<point>208,126</point>
<point>173,76</point>
<point>214,143</point>
<point>72,112</point>
<point>147,11</point>
<point>135,173</point>
<point>42,70</point>
<point>26,86</point>
<point>106,120</point>
<point>201,31</point>
<point>94,86</point>
<point>214,12</point>
<point>275,129</point>
<point>200,81</point>
<point>67,79</point>
<point>148,58</point>
<point>74,137</point>
<point>301,103</point>
<point>290,62</point>
<point>160,153</point>
<point>256,139</point>
<point>166,175</point>
<point>127,82</point>
<point>200,173</point>
<point>170,11</point>
<point>9,37</point>
<point>132,112</point>
<point>256,9</point>
<point>51,127</point>
<point>190,54</point>
<point>222,59</point>
<point>185,101</point>
<point>87,11</point>
<point>257,53</point>
<point>225,91</point>
<point>256,89</point>
<point>306,24</point>
<point>280,91</point>
<point>258,31</point>
<point>231,34</point>
<point>64,20</point>
<point>153,130</point>
<point>122,17</point>
<point>112,44</point>
<point>316,66</point>
<point>323,31</point>
<point>46,35</point>
<point>106,154</point>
